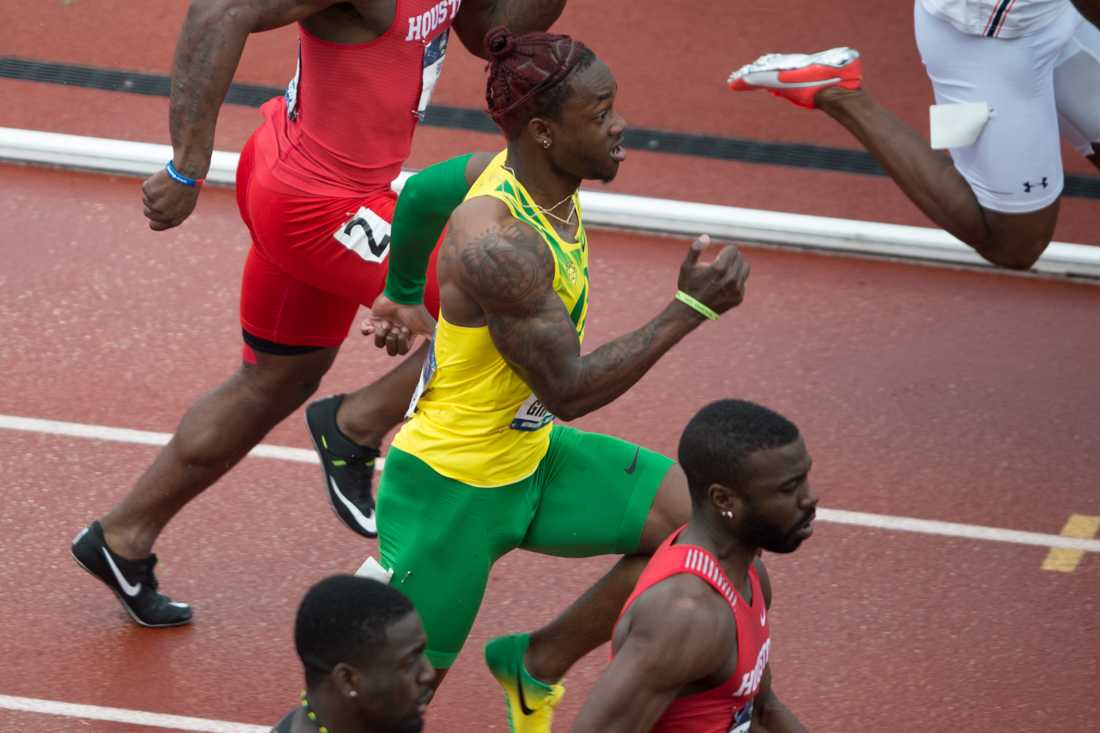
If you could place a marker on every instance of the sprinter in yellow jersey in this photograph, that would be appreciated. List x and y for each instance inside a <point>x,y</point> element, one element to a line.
<point>480,467</point>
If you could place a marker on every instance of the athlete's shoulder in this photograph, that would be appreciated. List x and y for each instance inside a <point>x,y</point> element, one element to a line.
<point>476,165</point>
<point>682,601</point>
<point>670,616</point>
<point>487,221</point>
<point>500,258</point>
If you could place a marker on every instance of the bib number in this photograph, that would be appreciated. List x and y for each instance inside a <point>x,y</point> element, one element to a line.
<point>366,234</point>
<point>425,377</point>
<point>291,93</point>
<point>434,54</point>
<point>531,416</point>
<point>742,721</point>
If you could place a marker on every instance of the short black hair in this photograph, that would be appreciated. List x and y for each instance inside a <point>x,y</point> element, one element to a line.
<point>717,442</point>
<point>344,618</point>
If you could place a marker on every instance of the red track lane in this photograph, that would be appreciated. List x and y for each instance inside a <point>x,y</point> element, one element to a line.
<point>945,394</point>
<point>927,392</point>
<point>689,49</point>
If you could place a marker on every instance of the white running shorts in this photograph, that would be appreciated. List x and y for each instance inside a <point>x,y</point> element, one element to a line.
<point>1039,86</point>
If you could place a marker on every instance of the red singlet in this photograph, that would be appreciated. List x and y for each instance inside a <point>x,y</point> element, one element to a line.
<point>313,182</point>
<point>346,123</point>
<point>728,707</point>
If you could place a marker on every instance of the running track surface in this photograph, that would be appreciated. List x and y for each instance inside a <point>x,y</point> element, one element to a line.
<point>928,392</point>
<point>923,392</point>
<point>671,58</point>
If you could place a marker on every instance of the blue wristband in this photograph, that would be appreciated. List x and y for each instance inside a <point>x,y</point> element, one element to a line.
<point>178,177</point>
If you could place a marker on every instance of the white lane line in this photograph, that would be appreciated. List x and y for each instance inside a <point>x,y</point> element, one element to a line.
<point>143,437</point>
<point>122,715</point>
<point>838,516</point>
<point>954,529</point>
<point>680,218</point>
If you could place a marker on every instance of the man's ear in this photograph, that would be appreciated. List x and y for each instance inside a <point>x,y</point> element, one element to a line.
<point>348,680</point>
<point>541,132</point>
<point>728,502</point>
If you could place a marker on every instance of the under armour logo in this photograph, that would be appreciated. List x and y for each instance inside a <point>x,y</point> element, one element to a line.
<point>376,248</point>
<point>1028,185</point>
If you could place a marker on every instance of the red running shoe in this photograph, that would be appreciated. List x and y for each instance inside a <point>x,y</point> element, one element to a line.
<point>798,76</point>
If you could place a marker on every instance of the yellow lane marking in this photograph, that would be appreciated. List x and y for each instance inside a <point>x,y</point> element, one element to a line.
<point>1081,526</point>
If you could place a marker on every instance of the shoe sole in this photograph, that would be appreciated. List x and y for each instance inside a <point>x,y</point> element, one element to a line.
<point>765,72</point>
<point>122,601</point>
<point>834,58</point>
<point>328,489</point>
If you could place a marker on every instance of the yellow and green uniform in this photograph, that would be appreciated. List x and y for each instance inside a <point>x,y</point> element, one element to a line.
<point>479,468</point>
<point>473,418</point>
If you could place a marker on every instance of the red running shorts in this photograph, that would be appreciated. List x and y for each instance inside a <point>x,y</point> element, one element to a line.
<point>314,259</point>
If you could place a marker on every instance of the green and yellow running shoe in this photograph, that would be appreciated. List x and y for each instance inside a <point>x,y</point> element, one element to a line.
<point>531,702</point>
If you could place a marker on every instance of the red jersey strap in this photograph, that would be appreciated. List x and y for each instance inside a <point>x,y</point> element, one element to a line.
<point>670,559</point>
<point>698,561</point>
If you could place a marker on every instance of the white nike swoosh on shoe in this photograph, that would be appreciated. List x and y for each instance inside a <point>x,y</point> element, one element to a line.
<point>130,590</point>
<point>367,523</point>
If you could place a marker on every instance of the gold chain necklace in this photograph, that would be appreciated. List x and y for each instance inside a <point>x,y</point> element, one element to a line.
<point>549,212</point>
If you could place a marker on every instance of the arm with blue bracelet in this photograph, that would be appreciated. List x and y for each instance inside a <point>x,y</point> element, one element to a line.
<point>425,205</point>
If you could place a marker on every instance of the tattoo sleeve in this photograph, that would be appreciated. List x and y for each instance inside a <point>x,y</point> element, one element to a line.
<point>207,54</point>
<point>509,272</point>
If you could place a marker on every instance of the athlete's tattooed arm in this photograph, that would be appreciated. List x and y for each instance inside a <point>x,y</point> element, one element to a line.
<point>660,654</point>
<point>207,54</point>
<point>1090,9</point>
<point>504,267</point>
<point>478,17</point>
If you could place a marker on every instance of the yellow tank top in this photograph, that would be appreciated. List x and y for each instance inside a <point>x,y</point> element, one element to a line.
<point>472,418</point>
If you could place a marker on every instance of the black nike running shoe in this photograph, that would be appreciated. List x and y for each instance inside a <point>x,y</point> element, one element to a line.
<point>348,467</point>
<point>132,581</point>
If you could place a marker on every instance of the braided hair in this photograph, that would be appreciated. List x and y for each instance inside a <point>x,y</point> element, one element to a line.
<point>527,76</point>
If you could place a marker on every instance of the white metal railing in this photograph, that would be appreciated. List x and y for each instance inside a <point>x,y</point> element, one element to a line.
<point>601,209</point>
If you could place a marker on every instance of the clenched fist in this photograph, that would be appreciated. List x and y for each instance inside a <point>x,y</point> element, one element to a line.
<point>719,284</point>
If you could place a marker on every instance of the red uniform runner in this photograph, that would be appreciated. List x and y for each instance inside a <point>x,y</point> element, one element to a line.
<point>726,708</point>
<point>313,182</point>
